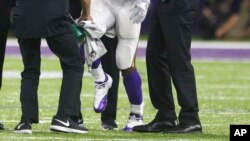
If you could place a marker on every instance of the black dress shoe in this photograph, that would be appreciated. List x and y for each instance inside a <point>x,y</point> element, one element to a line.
<point>155,126</point>
<point>1,126</point>
<point>185,128</point>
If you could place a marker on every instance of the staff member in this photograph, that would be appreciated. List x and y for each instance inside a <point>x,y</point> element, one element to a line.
<point>47,18</point>
<point>5,6</point>
<point>168,60</point>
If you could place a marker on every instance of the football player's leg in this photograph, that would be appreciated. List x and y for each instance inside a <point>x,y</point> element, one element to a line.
<point>97,71</point>
<point>125,61</point>
<point>103,83</point>
<point>131,80</point>
<point>128,36</point>
<point>102,15</point>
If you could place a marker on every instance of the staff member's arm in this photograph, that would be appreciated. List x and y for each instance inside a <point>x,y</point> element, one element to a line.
<point>85,15</point>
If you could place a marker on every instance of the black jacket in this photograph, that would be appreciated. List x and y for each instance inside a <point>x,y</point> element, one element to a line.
<point>40,18</point>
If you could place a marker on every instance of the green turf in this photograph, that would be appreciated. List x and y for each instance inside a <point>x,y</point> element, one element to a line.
<point>223,92</point>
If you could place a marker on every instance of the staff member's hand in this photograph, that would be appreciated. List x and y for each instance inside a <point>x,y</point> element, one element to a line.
<point>84,17</point>
<point>85,14</point>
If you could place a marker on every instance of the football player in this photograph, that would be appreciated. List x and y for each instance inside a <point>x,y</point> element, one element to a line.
<point>122,18</point>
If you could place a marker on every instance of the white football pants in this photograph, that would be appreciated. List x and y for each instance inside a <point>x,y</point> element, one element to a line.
<point>115,14</point>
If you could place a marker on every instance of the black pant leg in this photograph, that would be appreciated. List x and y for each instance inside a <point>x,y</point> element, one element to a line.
<point>30,51</point>
<point>67,50</point>
<point>159,79</point>
<point>177,35</point>
<point>75,11</point>
<point>4,27</point>
<point>110,67</point>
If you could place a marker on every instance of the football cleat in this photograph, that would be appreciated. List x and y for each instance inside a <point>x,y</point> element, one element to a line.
<point>134,120</point>
<point>101,91</point>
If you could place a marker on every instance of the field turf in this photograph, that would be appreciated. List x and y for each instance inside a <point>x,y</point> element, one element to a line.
<point>223,92</point>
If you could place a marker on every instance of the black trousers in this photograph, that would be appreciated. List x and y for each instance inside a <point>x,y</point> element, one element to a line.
<point>4,27</point>
<point>168,60</point>
<point>66,49</point>
<point>110,67</point>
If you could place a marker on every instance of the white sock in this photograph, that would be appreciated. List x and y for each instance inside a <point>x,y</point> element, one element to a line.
<point>137,109</point>
<point>98,74</point>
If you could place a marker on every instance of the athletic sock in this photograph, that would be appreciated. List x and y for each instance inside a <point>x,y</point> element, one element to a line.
<point>97,71</point>
<point>132,83</point>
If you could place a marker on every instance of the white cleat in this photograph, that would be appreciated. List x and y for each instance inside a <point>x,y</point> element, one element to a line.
<point>134,120</point>
<point>101,91</point>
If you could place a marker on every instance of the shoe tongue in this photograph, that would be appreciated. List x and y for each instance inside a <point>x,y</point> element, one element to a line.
<point>133,117</point>
<point>133,114</point>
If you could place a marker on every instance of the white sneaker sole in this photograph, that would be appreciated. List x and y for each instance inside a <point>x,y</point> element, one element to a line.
<point>23,131</point>
<point>114,129</point>
<point>65,129</point>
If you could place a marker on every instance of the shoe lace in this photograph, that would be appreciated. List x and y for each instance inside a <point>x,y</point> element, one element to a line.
<point>74,125</point>
<point>100,86</point>
<point>133,120</point>
<point>133,117</point>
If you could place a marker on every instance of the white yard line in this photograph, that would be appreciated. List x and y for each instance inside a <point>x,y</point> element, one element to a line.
<point>8,74</point>
<point>67,138</point>
<point>83,138</point>
<point>13,43</point>
<point>195,44</point>
<point>44,74</point>
<point>220,45</point>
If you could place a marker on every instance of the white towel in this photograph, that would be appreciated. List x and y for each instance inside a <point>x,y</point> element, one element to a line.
<point>94,48</point>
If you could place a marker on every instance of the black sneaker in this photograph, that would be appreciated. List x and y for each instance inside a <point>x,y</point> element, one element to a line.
<point>109,125</point>
<point>1,126</point>
<point>66,125</point>
<point>77,120</point>
<point>23,127</point>
<point>80,122</point>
